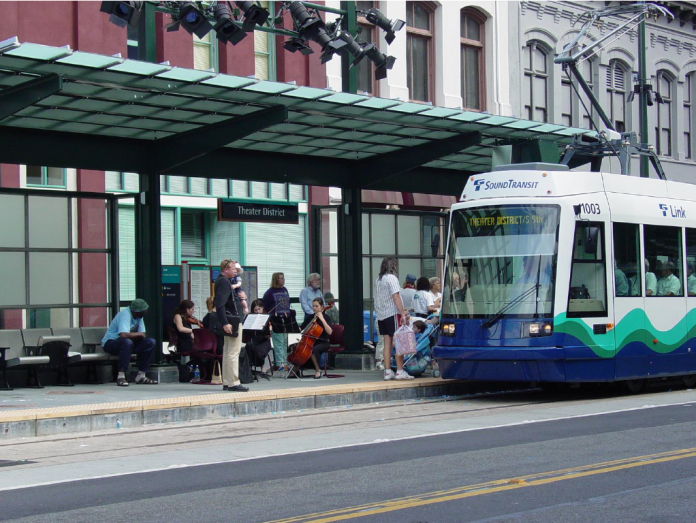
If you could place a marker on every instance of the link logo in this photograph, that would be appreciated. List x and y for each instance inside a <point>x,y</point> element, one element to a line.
<point>674,212</point>
<point>478,184</point>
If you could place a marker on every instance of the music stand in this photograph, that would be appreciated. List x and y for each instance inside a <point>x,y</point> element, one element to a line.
<point>255,325</point>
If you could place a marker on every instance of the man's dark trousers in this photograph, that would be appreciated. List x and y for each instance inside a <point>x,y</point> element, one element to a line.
<point>124,347</point>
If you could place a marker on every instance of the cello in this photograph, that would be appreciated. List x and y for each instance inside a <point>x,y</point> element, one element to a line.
<point>302,350</point>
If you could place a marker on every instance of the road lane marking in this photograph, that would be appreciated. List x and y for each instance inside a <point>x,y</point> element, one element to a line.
<point>490,487</point>
<point>17,485</point>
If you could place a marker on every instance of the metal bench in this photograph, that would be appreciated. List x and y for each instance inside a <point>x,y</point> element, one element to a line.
<point>16,356</point>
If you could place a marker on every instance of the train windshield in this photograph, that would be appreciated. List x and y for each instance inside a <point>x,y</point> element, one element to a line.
<point>501,262</point>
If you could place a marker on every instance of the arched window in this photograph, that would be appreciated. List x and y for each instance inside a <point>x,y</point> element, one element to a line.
<point>419,51</point>
<point>663,130</point>
<point>535,85</point>
<point>617,85</point>
<point>472,59</point>
<point>688,115</point>
<point>576,111</point>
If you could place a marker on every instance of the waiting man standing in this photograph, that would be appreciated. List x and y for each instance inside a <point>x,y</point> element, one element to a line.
<point>126,335</point>
<point>309,294</point>
<point>227,308</point>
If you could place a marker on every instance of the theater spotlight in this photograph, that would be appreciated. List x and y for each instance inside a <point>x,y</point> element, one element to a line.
<point>356,50</point>
<point>225,28</point>
<point>297,44</point>
<point>122,13</point>
<point>376,17</point>
<point>382,62</point>
<point>191,19</point>
<point>253,15</point>
<point>311,28</point>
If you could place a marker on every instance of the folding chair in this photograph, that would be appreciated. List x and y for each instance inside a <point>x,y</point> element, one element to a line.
<point>337,345</point>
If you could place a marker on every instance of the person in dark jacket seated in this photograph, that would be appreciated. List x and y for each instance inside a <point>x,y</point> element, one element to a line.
<point>322,344</point>
<point>259,345</point>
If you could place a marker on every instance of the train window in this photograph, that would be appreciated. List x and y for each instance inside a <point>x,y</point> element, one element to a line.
<point>627,279</point>
<point>691,262</point>
<point>587,296</point>
<point>663,261</point>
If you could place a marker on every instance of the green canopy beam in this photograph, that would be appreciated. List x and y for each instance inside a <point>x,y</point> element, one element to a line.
<point>385,166</point>
<point>178,149</point>
<point>14,99</point>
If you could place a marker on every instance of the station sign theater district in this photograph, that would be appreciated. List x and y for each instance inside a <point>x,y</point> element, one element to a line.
<point>246,211</point>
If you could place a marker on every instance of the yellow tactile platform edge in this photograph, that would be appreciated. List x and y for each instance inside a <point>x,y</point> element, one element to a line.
<point>210,399</point>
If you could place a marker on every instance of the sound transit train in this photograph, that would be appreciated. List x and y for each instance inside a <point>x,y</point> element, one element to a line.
<point>557,276</point>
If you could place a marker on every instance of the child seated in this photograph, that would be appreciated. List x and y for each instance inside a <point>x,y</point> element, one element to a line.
<point>418,327</point>
<point>236,282</point>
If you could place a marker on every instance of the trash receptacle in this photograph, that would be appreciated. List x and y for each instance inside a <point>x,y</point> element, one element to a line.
<point>369,326</point>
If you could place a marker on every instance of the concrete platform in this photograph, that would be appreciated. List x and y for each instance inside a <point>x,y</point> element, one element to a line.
<point>87,408</point>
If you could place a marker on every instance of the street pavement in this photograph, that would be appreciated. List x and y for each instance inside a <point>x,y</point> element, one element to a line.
<point>522,456</point>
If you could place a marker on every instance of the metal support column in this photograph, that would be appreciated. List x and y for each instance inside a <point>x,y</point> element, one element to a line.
<point>350,267</point>
<point>349,75</point>
<point>643,98</point>
<point>115,283</point>
<point>148,261</point>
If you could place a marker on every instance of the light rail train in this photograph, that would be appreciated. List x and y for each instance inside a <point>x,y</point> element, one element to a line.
<point>556,276</point>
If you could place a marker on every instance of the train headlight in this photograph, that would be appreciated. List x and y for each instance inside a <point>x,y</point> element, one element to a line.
<point>534,330</point>
<point>448,329</point>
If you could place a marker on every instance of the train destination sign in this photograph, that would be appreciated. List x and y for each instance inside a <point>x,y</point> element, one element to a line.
<point>246,211</point>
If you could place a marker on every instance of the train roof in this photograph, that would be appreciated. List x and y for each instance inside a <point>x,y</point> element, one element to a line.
<point>549,182</point>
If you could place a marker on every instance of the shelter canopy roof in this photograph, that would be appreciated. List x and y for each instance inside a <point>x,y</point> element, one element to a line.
<point>111,98</point>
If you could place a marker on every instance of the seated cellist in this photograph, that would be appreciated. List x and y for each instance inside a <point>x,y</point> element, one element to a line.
<point>321,345</point>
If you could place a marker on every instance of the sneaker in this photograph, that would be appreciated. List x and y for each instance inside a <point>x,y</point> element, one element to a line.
<point>388,375</point>
<point>379,365</point>
<point>403,375</point>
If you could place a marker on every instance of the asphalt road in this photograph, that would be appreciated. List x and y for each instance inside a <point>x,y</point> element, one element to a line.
<point>528,457</point>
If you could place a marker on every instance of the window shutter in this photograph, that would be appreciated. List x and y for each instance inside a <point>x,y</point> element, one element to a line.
<point>240,189</point>
<point>168,237</point>
<point>192,235</point>
<point>297,192</point>
<point>219,188</point>
<point>261,56</point>
<point>224,242</point>
<point>126,252</point>
<point>201,52</point>
<point>131,182</point>
<point>618,77</point>
<point>199,186</point>
<point>278,248</point>
<point>113,181</point>
<point>178,184</point>
<point>259,190</point>
<point>279,191</point>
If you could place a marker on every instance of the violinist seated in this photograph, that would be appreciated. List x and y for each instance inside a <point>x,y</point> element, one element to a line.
<point>184,322</point>
<point>321,343</point>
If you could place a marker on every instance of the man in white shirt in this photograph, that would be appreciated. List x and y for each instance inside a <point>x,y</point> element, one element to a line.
<point>669,284</point>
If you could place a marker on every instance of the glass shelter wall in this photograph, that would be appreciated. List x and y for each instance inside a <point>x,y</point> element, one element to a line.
<point>55,258</point>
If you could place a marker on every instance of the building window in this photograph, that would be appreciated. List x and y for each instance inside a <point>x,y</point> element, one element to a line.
<point>205,52</point>
<point>663,130</point>
<point>566,102</point>
<point>688,96</point>
<point>473,77</point>
<point>616,92</point>
<point>133,35</point>
<point>192,235</point>
<point>535,85</point>
<point>45,176</point>
<point>264,56</point>
<point>419,49</point>
<point>366,75</point>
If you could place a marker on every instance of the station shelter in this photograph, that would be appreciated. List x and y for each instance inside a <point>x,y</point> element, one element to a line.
<point>87,111</point>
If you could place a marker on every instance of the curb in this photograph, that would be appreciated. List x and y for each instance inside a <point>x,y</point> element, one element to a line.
<point>29,423</point>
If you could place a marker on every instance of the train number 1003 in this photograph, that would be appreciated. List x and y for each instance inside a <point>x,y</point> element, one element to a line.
<point>590,208</point>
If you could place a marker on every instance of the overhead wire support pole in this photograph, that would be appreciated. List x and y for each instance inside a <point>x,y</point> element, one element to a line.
<point>643,97</point>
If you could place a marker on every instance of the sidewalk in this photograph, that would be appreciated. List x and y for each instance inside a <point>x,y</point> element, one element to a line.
<point>87,408</point>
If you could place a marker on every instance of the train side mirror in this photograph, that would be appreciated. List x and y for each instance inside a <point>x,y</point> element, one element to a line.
<point>591,238</point>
